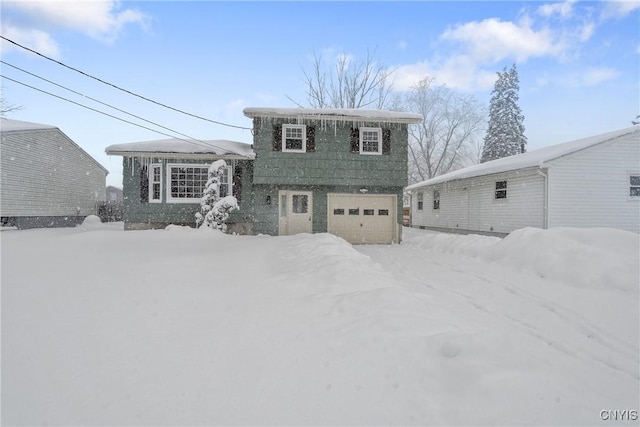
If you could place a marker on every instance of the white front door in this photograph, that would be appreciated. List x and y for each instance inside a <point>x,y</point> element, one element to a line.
<point>295,212</point>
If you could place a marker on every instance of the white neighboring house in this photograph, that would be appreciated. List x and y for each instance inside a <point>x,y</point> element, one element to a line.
<point>46,179</point>
<point>590,182</point>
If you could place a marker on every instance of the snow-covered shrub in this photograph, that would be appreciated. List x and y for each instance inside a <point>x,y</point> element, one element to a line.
<point>213,210</point>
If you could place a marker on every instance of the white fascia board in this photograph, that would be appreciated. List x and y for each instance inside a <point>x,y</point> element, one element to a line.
<point>184,156</point>
<point>331,114</point>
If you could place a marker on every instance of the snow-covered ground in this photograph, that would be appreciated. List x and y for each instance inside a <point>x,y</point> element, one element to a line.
<point>193,327</point>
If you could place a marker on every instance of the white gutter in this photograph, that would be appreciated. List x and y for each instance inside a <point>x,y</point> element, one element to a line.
<point>189,156</point>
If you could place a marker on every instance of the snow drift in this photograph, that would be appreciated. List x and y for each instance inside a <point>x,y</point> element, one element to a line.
<point>187,327</point>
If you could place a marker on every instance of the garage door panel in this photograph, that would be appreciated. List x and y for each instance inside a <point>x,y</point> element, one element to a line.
<point>362,218</point>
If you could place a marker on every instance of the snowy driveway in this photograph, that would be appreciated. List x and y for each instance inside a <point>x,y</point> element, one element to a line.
<point>101,326</point>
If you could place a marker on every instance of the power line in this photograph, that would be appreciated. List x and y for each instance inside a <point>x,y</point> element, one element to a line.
<point>93,99</point>
<point>195,142</point>
<point>121,89</point>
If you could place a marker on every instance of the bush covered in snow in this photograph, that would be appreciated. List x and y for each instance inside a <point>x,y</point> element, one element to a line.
<point>214,211</point>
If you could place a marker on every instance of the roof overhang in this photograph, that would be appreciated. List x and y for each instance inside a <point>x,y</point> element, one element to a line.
<point>185,156</point>
<point>330,114</point>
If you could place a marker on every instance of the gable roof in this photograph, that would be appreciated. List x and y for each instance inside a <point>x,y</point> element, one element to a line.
<point>337,114</point>
<point>182,148</point>
<point>9,125</point>
<point>535,158</point>
<point>15,126</point>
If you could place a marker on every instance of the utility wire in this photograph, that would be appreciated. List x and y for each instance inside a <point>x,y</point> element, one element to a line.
<point>196,142</point>
<point>119,88</point>
<point>110,106</point>
<point>92,99</point>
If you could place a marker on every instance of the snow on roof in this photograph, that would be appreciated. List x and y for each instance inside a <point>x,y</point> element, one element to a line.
<point>343,114</point>
<point>219,147</point>
<point>536,158</point>
<point>9,125</point>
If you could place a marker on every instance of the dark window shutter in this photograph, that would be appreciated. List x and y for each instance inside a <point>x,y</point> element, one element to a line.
<point>355,140</point>
<point>311,139</point>
<point>277,137</point>
<point>144,184</point>
<point>236,183</point>
<point>386,141</point>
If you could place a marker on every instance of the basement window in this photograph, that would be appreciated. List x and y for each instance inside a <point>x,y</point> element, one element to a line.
<point>634,186</point>
<point>501,190</point>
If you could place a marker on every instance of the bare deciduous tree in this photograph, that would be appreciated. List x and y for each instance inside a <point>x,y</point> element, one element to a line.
<point>5,107</point>
<point>447,139</point>
<point>352,83</point>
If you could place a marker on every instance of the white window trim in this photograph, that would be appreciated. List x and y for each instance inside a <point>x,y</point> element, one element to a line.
<point>229,183</point>
<point>284,138</point>
<point>629,196</point>
<point>433,204</point>
<point>420,199</point>
<point>379,131</point>
<point>505,189</point>
<point>168,178</point>
<point>150,177</point>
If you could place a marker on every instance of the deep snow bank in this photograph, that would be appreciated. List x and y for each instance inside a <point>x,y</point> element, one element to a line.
<point>582,257</point>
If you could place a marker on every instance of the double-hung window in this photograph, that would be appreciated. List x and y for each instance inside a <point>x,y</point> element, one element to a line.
<point>155,183</point>
<point>436,199</point>
<point>634,186</point>
<point>225,182</point>
<point>294,138</point>
<point>420,201</point>
<point>501,190</point>
<point>370,140</point>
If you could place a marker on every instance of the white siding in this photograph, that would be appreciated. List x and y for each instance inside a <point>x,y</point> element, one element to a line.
<point>469,204</point>
<point>44,173</point>
<point>590,188</point>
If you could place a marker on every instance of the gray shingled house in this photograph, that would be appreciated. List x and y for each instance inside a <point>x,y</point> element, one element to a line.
<point>47,180</point>
<point>308,171</point>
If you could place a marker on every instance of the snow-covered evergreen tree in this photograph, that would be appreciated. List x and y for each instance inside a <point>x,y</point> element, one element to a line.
<point>214,211</point>
<point>505,133</point>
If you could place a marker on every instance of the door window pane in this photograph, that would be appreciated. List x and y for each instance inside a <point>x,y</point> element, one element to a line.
<point>283,206</point>
<point>299,203</point>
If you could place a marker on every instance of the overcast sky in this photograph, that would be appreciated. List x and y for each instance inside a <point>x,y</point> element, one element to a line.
<point>578,62</point>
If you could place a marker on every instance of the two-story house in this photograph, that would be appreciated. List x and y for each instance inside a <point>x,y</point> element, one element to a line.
<point>309,171</point>
<point>330,170</point>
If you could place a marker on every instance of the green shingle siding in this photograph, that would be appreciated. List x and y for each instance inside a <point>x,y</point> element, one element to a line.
<point>266,215</point>
<point>332,162</point>
<point>137,211</point>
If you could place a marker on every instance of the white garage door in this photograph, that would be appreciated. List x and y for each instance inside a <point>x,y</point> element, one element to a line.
<point>362,218</point>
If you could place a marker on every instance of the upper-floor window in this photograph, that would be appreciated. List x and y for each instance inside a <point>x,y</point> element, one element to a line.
<point>420,201</point>
<point>436,199</point>
<point>370,140</point>
<point>155,183</point>
<point>294,138</point>
<point>634,186</point>
<point>501,190</point>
